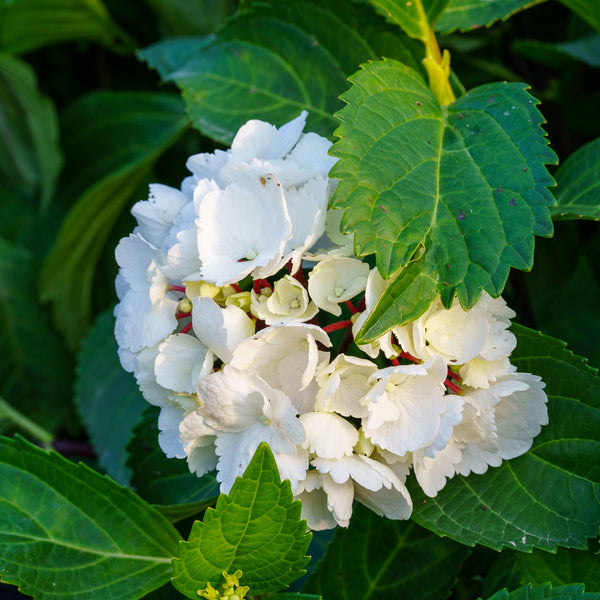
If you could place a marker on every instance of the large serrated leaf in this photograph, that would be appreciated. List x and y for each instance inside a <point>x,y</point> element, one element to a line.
<point>562,568</point>
<point>550,496</point>
<point>578,181</point>
<point>415,18</point>
<point>67,532</point>
<point>31,24</point>
<point>377,557</point>
<point>255,528</point>
<point>276,59</point>
<point>30,156</point>
<point>459,191</point>
<point>112,139</point>
<point>108,398</point>
<point>469,14</point>
<point>159,479</point>
<point>546,591</point>
<point>36,369</point>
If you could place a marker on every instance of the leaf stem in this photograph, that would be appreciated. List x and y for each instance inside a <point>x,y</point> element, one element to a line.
<point>26,424</point>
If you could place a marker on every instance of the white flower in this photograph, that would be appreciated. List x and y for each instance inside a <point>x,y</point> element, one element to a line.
<point>460,335</point>
<point>336,280</point>
<point>288,303</point>
<point>146,313</point>
<point>328,435</point>
<point>406,406</point>
<point>155,216</point>
<point>342,385</point>
<point>286,357</point>
<point>241,228</point>
<point>220,329</point>
<point>243,411</point>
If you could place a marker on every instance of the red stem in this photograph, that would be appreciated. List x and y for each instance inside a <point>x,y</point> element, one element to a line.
<point>453,387</point>
<point>339,325</point>
<point>186,328</point>
<point>351,307</point>
<point>178,288</point>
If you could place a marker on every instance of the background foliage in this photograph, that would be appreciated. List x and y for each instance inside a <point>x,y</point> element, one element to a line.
<point>98,99</point>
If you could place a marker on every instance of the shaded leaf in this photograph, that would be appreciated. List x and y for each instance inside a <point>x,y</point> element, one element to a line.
<point>255,528</point>
<point>36,369</point>
<point>512,506</point>
<point>588,10</point>
<point>585,49</point>
<point>468,14</point>
<point>178,512</point>
<point>578,181</point>
<point>502,574</point>
<point>31,24</point>
<point>459,191</point>
<point>190,17</point>
<point>30,156</point>
<point>562,568</point>
<point>124,133</point>
<point>276,59</point>
<point>59,519</point>
<point>163,480</point>
<point>408,15</point>
<point>107,397</point>
<point>378,557</point>
<point>541,592</point>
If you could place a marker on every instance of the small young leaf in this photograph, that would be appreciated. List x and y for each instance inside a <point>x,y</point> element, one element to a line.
<point>578,181</point>
<point>163,480</point>
<point>31,24</point>
<point>546,591</point>
<point>459,191</point>
<point>36,370</point>
<point>377,556</point>
<point>30,156</point>
<point>565,566</point>
<point>513,506</point>
<point>416,18</point>
<point>255,528</point>
<point>469,14</point>
<point>275,59</point>
<point>125,133</point>
<point>68,533</point>
<point>107,397</point>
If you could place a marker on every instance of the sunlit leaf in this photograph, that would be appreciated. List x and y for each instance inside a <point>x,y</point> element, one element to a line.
<point>415,18</point>
<point>255,528</point>
<point>457,191</point>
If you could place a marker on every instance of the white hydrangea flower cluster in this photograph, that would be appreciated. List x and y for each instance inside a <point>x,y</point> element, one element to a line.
<point>219,321</point>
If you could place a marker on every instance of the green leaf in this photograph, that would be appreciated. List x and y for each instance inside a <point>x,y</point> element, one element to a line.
<point>68,532</point>
<point>377,557</point>
<point>255,528</point>
<point>111,141</point>
<point>178,512</point>
<point>35,370</point>
<point>578,181</point>
<point>415,17</point>
<point>588,10</point>
<point>31,24</point>
<point>585,49</point>
<point>565,566</point>
<point>513,506</point>
<point>30,156</point>
<point>276,59</point>
<point>502,573</point>
<point>541,592</point>
<point>107,397</point>
<point>460,190</point>
<point>469,14</point>
<point>163,480</point>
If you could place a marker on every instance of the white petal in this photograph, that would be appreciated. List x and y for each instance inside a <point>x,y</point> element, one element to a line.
<point>328,435</point>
